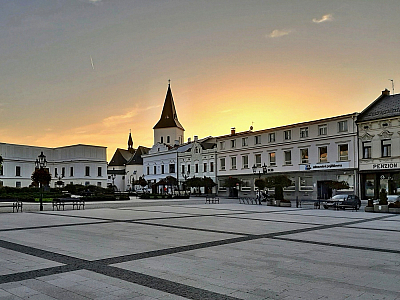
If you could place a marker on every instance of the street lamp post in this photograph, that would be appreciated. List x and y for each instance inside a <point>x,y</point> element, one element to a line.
<point>256,171</point>
<point>41,164</point>
<point>185,177</point>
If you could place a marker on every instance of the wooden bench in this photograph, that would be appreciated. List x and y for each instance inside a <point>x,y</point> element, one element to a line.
<point>212,199</point>
<point>76,203</point>
<point>16,205</point>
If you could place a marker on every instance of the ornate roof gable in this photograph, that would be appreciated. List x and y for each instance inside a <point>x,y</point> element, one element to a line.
<point>366,137</point>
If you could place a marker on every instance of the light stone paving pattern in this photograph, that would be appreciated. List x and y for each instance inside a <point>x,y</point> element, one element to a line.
<point>191,250</point>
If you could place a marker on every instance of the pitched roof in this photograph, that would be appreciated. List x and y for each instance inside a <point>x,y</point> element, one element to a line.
<point>385,106</point>
<point>120,157</point>
<point>137,159</point>
<point>169,117</point>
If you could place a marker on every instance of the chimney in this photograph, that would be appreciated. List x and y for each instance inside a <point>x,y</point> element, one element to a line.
<point>189,140</point>
<point>196,138</point>
<point>386,92</point>
<point>233,131</point>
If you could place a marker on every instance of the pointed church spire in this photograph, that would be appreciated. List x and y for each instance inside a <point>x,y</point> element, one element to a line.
<point>130,142</point>
<point>169,117</point>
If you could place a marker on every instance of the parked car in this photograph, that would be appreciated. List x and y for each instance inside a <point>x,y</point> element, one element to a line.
<point>390,199</point>
<point>343,201</point>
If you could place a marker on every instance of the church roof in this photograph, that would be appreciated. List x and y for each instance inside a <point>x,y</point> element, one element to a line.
<point>169,117</point>
<point>385,106</point>
<point>120,157</point>
<point>137,159</point>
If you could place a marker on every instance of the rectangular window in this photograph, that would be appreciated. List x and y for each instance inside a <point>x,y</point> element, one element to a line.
<point>99,172</point>
<point>257,139</point>
<point>271,137</point>
<point>288,157</point>
<point>71,171</point>
<point>304,156</point>
<point>211,166</point>
<point>1,170</point>
<point>18,184</point>
<point>344,152</point>
<point>245,161</point>
<point>222,145</point>
<point>233,143</point>
<point>162,169</point>
<point>63,172</point>
<point>342,126</point>
<point>272,159</point>
<point>322,129</point>
<point>366,150</point>
<point>196,168</point>
<point>306,183</point>
<point>287,134</point>
<point>233,162</point>
<point>257,160</point>
<point>204,167</point>
<point>55,172</point>
<point>323,154</point>
<point>304,132</point>
<point>183,169</point>
<point>386,148</point>
<point>155,170</point>
<point>222,163</point>
<point>17,171</point>
<point>188,169</point>
<point>172,168</point>
<point>87,183</point>
<point>87,171</point>
<point>244,142</point>
<point>99,184</point>
<point>148,170</point>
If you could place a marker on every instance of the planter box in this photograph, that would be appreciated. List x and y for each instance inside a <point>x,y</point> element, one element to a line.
<point>285,204</point>
<point>381,208</point>
<point>369,209</point>
<point>394,210</point>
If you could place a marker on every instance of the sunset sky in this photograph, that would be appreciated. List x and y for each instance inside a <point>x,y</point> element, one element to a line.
<point>88,71</point>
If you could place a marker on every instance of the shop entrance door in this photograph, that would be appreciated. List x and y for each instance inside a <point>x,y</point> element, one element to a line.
<point>324,191</point>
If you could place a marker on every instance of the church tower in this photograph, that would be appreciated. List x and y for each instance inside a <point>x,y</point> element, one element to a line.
<point>168,130</point>
<point>130,143</point>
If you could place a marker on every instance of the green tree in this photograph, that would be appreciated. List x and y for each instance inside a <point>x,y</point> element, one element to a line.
<point>278,182</point>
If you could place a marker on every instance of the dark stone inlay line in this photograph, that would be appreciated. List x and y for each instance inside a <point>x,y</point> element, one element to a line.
<point>55,226</point>
<point>375,229</point>
<point>102,265</point>
<point>160,284</point>
<point>338,245</point>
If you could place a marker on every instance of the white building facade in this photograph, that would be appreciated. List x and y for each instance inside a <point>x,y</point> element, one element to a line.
<point>379,146</point>
<point>76,164</point>
<point>312,154</point>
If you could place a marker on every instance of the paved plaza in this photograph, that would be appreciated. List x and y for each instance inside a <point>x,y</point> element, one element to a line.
<point>191,250</point>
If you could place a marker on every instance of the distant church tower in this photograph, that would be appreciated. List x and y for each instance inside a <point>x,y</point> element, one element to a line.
<point>130,143</point>
<point>168,129</point>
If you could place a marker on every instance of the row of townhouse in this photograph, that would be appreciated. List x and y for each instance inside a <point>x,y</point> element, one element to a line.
<point>361,149</point>
<point>312,154</point>
<point>76,164</point>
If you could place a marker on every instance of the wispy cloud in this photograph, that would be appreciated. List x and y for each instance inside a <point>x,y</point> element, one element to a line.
<point>92,1</point>
<point>126,117</point>
<point>325,18</point>
<point>278,33</point>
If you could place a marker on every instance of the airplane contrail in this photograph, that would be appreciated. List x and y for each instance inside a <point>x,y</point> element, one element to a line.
<point>91,61</point>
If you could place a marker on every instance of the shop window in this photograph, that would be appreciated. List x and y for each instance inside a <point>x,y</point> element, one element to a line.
<point>343,152</point>
<point>349,179</point>
<point>306,183</point>
<point>245,185</point>
<point>292,186</point>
